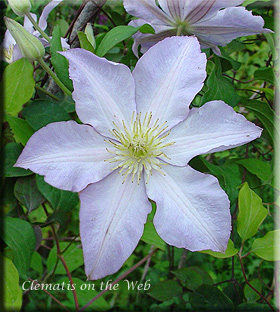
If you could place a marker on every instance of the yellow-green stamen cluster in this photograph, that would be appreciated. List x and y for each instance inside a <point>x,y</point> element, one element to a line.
<point>138,146</point>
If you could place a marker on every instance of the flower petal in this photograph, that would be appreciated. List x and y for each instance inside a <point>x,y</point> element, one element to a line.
<point>103,91</point>
<point>69,155</point>
<point>28,25</point>
<point>168,77</point>
<point>211,128</point>
<point>174,8</point>
<point>112,218</point>
<point>147,10</point>
<point>227,25</point>
<point>46,11</point>
<point>192,209</point>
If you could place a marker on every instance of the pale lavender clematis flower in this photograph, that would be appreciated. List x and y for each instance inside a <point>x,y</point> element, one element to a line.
<point>137,138</point>
<point>9,47</point>
<point>213,22</point>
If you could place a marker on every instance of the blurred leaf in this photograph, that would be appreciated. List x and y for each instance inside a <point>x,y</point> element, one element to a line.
<point>208,297</point>
<point>249,293</point>
<point>42,112</point>
<point>12,299</point>
<point>20,237</point>
<point>85,292</point>
<point>188,277</point>
<point>11,153</point>
<point>36,262</point>
<point>165,290</point>
<point>251,212</point>
<point>59,62</point>
<point>27,193</point>
<point>150,236</point>
<point>84,43</point>
<point>265,74</point>
<point>73,257</point>
<point>258,167</point>
<point>253,306</point>
<point>62,24</point>
<point>230,252</point>
<point>17,85</point>
<point>219,87</point>
<point>20,128</point>
<point>268,247</point>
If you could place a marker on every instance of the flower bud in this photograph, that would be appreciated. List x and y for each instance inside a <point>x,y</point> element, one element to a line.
<point>20,7</point>
<point>29,46</point>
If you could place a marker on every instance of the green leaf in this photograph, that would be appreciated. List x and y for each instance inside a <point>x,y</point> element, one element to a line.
<point>36,262</point>
<point>249,293</point>
<point>208,297</point>
<point>258,167</point>
<point>147,29</point>
<point>188,277</point>
<point>73,257</point>
<point>85,292</point>
<point>84,43</point>
<point>265,74</point>
<point>20,128</point>
<point>11,153</point>
<point>219,87</point>
<point>12,299</point>
<point>42,112</point>
<point>253,306</point>
<point>268,247</point>
<point>20,237</point>
<point>59,62</point>
<point>230,252</point>
<point>166,290</point>
<point>114,36</point>
<point>17,85</point>
<point>26,191</point>
<point>150,236</point>
<point>251,212</point>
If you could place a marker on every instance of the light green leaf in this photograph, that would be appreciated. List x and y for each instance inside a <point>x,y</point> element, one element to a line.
<point>12,299</point>
<point>249,293</point>
<point>19,236</point>
<point>20,128</point>
<point>150,236</point>
<point>84,42</point>
<point>230,252</point>
<point>258,167</point>
<point>251,212</point>
<point>17,85</point>
<point>73,257</point>
<point>36,262</point>
<point>268,247</point>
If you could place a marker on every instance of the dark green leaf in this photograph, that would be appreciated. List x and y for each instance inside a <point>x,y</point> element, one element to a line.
<point>18,85</point>
<point>258,167</point>
<point>36,262</point>
<point>253,306</point>
<point>189,278</point>
<point>249,293</point>
<point>20,237</point>
<point>59,62</point>
<point>166,290</point>
<point>147,29</point>
<point>27,193</point>
<point>42,112</point>
<point>11,153</point>
<point>265,74</point>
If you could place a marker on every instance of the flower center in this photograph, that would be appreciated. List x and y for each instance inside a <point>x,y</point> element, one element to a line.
<point>138,146</point>
<point>183,28</point>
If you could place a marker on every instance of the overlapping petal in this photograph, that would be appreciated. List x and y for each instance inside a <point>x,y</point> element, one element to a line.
<point>103,91</point>
<point>46,11</point>
<point>192,209</point>
<point>69,155</point>
<point>213,127</point>
<point>168,77</point>
<point>112,218</point>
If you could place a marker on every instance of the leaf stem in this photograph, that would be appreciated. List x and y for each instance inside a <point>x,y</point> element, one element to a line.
<point>37,27</point>
<point>47,93</point>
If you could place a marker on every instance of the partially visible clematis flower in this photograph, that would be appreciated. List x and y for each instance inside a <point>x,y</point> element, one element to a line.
<point>136,141</point>
<point>10,51</point>
<point>203,18</point>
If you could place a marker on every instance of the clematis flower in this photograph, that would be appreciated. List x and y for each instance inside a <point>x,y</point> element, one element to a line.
<point>136,141</point>
<point>9,48</point>
<point>203,18</point>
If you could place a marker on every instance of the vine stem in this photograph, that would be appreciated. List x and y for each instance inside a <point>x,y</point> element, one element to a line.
<point>247,282</point>
<point>55,78</point>
<point>119,279</point>
<point>36,26</point>
<point>56,300</point>
<point>47,93</point>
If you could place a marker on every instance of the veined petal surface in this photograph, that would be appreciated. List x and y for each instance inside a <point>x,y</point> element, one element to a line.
<point>103,91</point>
<point>211,128</point>
<point>68,154</point>
<point>112,218</point>
<point>168,77</point>
<point>192,209</point>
